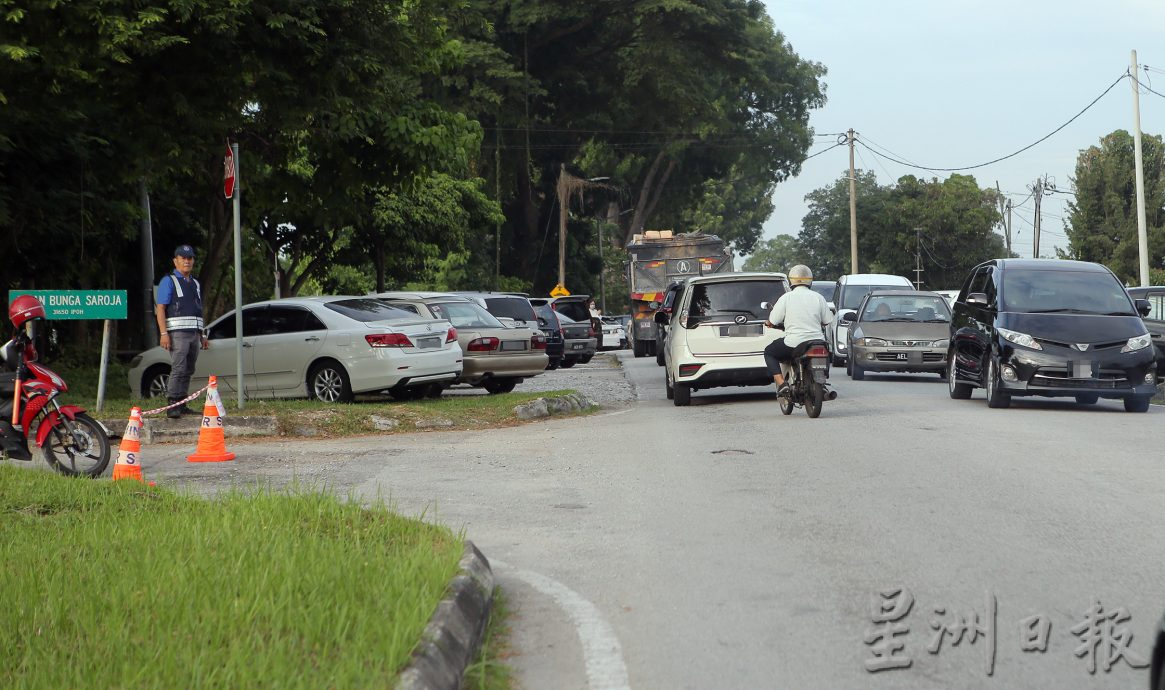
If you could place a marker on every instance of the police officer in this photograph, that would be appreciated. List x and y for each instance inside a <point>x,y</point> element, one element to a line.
<point>179,314</point>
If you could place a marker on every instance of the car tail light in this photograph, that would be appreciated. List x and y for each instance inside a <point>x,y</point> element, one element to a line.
<point>690,369</point>
<point>817,351</point>
<point>452,336</point>
<point>591,332</point>
<point>538,342</point>
<point>488,344</point>
<point>388,340</point>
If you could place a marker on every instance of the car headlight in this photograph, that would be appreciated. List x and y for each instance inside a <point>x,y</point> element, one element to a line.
<point>941,344</point>
<point>870,342</point>
<point>1138,343</point>
<point>1021,339</point>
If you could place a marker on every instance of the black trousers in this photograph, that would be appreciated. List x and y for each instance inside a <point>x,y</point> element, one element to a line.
<point>775,353</point>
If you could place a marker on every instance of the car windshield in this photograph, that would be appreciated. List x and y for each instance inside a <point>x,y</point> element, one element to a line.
<point>546,313</point>
<point>516,308</point>
<point>919,308</point>
<point>1064,292</point>
<point>823,289</point>
<point>368,310</point>
<point>735,297</point>
<point>851,295</point>
<point>465,315</point>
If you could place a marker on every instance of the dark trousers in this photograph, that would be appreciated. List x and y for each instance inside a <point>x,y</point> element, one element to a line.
<point>184,346</point>
<point>775,353</point>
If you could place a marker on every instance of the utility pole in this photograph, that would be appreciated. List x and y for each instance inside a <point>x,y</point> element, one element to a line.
<point>1008,236</point>
<point>1142,233</point>
<point>1039,189</point>
<point>853,208</point>
<point>917,258</point>
<point>1004,212</point>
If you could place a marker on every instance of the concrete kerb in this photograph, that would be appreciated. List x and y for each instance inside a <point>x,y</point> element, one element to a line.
<point>455,632</point>
<point>545,407</point>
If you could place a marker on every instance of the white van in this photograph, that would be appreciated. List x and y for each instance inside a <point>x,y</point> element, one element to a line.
<point>847,293</point>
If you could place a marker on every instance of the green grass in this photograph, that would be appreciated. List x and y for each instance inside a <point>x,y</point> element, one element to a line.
<point>490,671</point>
<point>115,584</point>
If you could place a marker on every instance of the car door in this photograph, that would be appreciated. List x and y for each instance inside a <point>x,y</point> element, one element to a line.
<point>973,325</point>
<point>220,357</point>
<point>1155,322</point>
<point>285,343</point>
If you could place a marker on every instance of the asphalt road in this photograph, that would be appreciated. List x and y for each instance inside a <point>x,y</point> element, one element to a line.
<point>724,545</point>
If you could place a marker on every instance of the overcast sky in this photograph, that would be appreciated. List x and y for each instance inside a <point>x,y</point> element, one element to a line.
<point>954,84</point>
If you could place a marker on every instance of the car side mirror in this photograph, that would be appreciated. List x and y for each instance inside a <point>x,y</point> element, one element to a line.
<point>1144,307</point>
<point>661,318</point>
<point>849,317</point>
<point>832,307</point>
<point>977,298</point>
<point>542,323</point>
<point>765,306</point>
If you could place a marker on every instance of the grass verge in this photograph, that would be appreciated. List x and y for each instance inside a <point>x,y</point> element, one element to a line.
<point>121,585</point>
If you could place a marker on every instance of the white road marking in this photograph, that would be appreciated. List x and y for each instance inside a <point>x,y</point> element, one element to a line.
<point>601,652</point>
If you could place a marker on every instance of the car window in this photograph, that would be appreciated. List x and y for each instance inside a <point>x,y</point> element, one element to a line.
<point>225,328</point>
<point>465,315</point>
<point>822,288</point>
<point>574,309</point>
<point>1064,291</point>
<point>852,295</point>
<point>984,282</point>
<point>922,308</point>
<point>367,309</point>
<point>411,308</point>
<point>253,323</point>
<point>734,297</point>
<point>1157,302</point>
<point>516,308</point>
<point>285,319</point>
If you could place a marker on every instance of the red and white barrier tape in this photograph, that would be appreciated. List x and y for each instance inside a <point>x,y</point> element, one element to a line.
<point>190,397</point>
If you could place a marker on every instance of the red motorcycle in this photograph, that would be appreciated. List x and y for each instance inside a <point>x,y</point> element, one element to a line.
<point>74,443</point>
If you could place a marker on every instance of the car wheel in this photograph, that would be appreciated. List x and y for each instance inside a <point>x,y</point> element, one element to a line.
<point>566,363</point>
<point>1087,398</point>
<point>585,360</point>
<point>667,387</point>
<point>552,364</point>
<point>996,396</point>
<point>155,381</point>
<point>958,391</point>
<point>328,382</point>
<point>639,348</point>
<point>838,361</point>
<point>659,355</point>
<point>681,395</point>
<point>855,370</point>
<point>494,386</point>
<point>1137,403</point>
<point>435,391</point>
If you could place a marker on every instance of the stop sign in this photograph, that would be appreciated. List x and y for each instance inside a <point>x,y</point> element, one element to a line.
<point>228,173</point>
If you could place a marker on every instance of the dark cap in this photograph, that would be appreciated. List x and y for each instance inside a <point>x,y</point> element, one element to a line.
<point>184,250</point>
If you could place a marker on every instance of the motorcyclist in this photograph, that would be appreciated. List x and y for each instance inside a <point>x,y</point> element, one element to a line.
<point>25,312</point>
<point>804,314</point>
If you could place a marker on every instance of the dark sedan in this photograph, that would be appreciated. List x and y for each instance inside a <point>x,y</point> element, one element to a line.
<point>1050,328</point>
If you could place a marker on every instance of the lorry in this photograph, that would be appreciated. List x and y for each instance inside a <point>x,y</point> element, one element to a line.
<point>657,259</point>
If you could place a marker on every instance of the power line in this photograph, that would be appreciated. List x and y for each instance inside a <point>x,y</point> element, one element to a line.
<point>1010,155</point>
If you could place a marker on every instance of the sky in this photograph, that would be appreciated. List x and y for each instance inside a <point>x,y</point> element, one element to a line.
<point>957,84</point>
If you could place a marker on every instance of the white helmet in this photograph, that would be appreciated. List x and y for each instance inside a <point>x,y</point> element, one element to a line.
<point>800,275</point>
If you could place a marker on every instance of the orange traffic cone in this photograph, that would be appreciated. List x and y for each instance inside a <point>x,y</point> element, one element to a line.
<point>127,465</point>
<point>211,442</point>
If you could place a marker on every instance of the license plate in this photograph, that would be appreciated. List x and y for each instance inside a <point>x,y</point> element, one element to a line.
<point>741,330</point>
<point>901,356</point>
<point>513,344</point>
<point>1082,370</point>
<point>578,346</point>
<point>424,343</point>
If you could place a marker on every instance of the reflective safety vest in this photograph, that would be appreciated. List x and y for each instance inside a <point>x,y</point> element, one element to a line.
<point>184,312</point>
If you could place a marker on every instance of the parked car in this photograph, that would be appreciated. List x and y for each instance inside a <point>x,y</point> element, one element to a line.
<point>327,348</point>
<point>716,333</point>
<point>552,329</point>
<point>579,341</point>
<point>496,357</point>
<point>517,308</point>
<point>898,330</point>
<point>1051,328</point>
<point>1154,320</point>
<point>574,306</point>
<point>848,291</point>
<point>614,336</point>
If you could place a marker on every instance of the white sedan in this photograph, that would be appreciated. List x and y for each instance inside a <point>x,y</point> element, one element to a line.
<point>327,348</point>
<point>614,335</point>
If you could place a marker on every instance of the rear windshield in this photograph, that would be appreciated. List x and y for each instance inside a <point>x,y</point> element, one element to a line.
<point>368,310</point>
<point>1064,292</point>
<point>923,308</point>
<point>544,311</point>
<point>823,289</point>
<point>516,308</point>
<point>465,315</point>
<point>851,295</point>
<point>735,297</point>
<point>574,309</point>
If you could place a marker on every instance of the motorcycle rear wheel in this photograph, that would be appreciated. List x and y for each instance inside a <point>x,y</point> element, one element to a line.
<point>814,397</point>
<point>83,453</point>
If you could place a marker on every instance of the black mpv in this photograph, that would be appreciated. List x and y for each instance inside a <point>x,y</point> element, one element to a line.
<point>1050,328</point>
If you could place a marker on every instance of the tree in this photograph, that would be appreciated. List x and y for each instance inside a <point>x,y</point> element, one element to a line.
<point>778,254</point>
<point>1102,220</point>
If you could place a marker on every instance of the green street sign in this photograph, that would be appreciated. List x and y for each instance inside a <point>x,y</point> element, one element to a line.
<point>78,304</point>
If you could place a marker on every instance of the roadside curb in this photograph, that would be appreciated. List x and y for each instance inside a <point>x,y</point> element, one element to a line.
<point>545,407</point>
<point>454,633</point>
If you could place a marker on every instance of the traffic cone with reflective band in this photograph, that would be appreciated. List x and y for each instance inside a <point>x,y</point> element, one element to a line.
<point>211,442</point>
<point>128,463</point>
